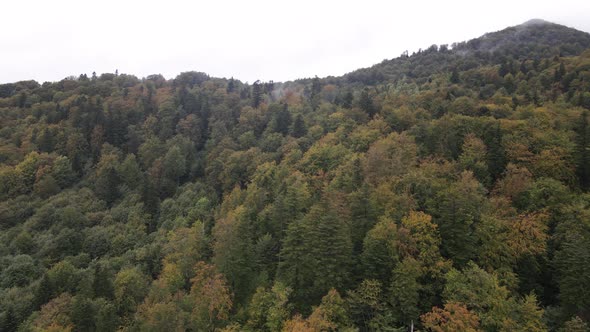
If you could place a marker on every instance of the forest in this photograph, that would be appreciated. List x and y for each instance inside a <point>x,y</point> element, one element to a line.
<point>444,190</point>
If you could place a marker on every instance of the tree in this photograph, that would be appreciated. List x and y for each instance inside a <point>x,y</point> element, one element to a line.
<point>526,317</point>
<point>366,304</point>
<point>366,103</point>
<point>394,155</point>
<point>299,128</point>
<point>347,100</point>
<point>129,172</point>
<point>130,289</point>
<point>576,324</point>
<point>331,314</point>
<point>455,76</point>
<point>314,96</point>
<point>573,271</point>
<point>257,94</point>
<point>380,251</point>
<point>62,172</point>
<point>582,154</point>
<point>83,314</point>
<point>473,158</point>
<point>102,283</point>
<point>211,298</point>
<point>8,321</point>
<point>44,291</point>
<point>457,212</point>
<point>46,186</point>
<point>269,308</point>
<point>55,315</point>
<point>281,120</point>
<point>63,277</point>
<point>20,271</point>
<point>405,289</point>
<point>174,164</point>
<point>107,183</point>
<point>316,254</point>
<point>185,247</point>
<point>482,293</point>
<point>454,317</point>
<point>295,268</point>
<point>419,238</point>
<point>496,155</point>
<point>232,252</point>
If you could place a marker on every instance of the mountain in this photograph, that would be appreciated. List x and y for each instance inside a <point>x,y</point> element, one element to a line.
<point>534,39</point>
<point>448,190</point>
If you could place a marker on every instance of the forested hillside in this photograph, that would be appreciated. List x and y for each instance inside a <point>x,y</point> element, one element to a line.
<point>447,190</point>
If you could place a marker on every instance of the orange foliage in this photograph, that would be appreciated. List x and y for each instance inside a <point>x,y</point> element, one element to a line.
<point>454,317</point>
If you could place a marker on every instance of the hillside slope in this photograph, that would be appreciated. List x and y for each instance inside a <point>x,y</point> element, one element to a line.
<point>444,190</point>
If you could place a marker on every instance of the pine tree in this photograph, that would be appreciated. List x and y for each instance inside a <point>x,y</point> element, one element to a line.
<point>496,154</point>
<point>314,96</point>
<point>257,94</point>
<point>299,128</point>
<point>405,290</point>
<point>582,155</point>
<point>231,85</point>
<point>366,103</point>
<point>83,314</point>
<point>102,283</point>
<point>282,120</point>
<point>44,292</point>
<point>457,212</point>
<point>9,321</point>
<point>380,255</point>
<point>295,269</point>
<point>347,100</point>
<point>332,249</point>
<point>316,255</point>
<point>107,184</point>
<point>455,76</point>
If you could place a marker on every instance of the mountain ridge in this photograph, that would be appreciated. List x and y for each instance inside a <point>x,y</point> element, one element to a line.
<point>533,39</point>
<point>530,34</point>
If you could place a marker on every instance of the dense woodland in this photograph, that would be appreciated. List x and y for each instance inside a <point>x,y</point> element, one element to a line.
<point>447,189</point>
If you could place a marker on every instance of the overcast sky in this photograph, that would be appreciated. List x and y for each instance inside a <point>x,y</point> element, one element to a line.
<point>267,40</point>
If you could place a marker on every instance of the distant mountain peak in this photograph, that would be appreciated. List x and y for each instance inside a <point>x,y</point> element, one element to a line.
<point>533,39</point>
<point>536,21</point>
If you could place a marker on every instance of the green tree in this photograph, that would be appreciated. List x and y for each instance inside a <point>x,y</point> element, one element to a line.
<point>257,94</point>
<point>404,290</point>
<point>380,251</point>
<point>130,289</point>
<point>107,184</point>
<point>473,158</point>
<point>174,164</point>
<point>269,308</point>
<point>582,155</point>
<point>299,127</point>
<point>316,254</point>
<point>457,212</point>
<point>481,292</point>
<point>129,172</point>
<point>44,291</point>
<point>83,314</point>
<point>366,103</point>
<point>102,282</point>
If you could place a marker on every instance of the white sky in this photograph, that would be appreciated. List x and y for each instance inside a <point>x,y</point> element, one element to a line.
<point>254,39</point>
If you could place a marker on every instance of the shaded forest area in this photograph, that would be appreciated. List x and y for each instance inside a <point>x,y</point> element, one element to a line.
<point>447,189</point>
